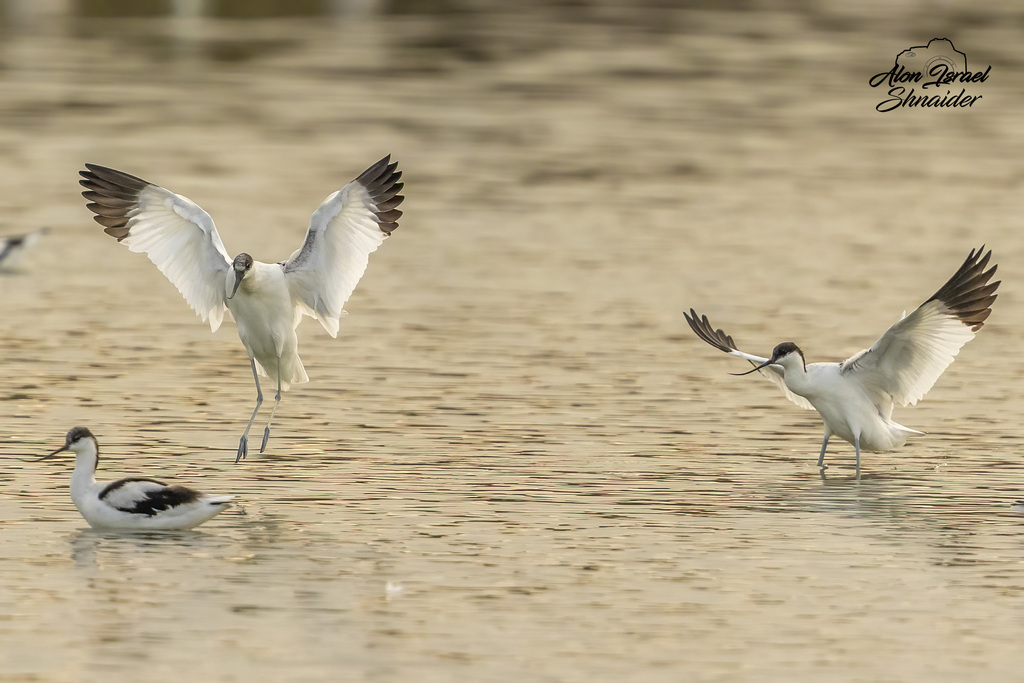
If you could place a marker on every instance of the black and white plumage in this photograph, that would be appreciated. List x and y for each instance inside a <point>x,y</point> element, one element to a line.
<point>133,502</point>
<point>13,246</point>
<point>856,397</point>
<point>267,300</point>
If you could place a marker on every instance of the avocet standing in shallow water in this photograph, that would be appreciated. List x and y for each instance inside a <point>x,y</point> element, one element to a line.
<point>134,502</point>
<point>855,398</point>
<point>267,300</point>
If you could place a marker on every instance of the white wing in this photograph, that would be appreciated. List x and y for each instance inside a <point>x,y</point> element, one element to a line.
<point>908,359</point>
<point>723,342</point>
<point>344,230</point>
<point>177,235</point>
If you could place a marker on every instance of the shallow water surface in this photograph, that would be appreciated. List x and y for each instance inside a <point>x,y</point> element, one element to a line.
<point>515,462</point>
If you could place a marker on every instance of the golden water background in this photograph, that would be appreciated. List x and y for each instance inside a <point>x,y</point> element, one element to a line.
<point>516,463</point>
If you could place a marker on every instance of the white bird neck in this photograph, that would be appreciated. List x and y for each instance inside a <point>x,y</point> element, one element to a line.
<point>794,372</point>
<point>256,276</point>
<point>87,455</point>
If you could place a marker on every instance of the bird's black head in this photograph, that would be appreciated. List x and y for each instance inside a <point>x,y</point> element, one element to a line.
<point>73,437</point>
<point>242,263</point>
<point>786,348</point>
<point>240,266</point>
<point>77,434</point>
<point>780,352</point>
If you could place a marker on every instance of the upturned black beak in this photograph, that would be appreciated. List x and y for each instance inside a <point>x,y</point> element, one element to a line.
<point>239,274</point>
<point>50,455</point>
<point>762,365</point>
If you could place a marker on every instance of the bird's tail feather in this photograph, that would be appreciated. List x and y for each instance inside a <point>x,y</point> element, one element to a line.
<point>292,372</point>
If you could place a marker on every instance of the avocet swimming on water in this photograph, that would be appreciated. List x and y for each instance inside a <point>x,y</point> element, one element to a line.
<point>267,300</point>
<point>132,503</point>
<point>855,398</point>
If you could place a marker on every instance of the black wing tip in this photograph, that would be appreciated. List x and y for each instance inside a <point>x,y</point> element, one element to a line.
<point>91,169</point>
<point>376,170</point>
<point>111,222</point>
<point>118,233</point>
<point>381,181</point>
<point>968,294</point>
<point>96,170</point>
<point>112,195</point>
<point>703,328</point>
<point>111,175</point>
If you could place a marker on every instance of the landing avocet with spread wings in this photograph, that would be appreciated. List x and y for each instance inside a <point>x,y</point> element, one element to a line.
<point>856,397</point>
<point>267,300</point>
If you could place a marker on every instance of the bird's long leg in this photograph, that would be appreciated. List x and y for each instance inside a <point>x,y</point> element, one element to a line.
<point>277,402</point>
<point>824,445</point>
<point>243,444</point>
<point>856,446</point>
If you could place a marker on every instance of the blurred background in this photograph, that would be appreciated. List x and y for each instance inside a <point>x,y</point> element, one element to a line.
<point>515,462</point>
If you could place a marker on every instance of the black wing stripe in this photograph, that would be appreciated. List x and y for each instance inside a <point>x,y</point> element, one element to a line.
<point>164,499</point>
<point>115,485</point>
<point>154,501</point>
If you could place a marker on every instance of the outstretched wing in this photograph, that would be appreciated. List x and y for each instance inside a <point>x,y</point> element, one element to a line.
<point>177,235</point>
<point>344,230</point>
<point>907,360</point>
<point>720,340</point>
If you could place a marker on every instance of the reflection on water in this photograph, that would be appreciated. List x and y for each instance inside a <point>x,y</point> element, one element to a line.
<point>515,462</point>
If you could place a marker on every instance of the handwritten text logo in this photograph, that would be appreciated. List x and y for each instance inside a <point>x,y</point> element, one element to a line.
<point>935,66</point>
